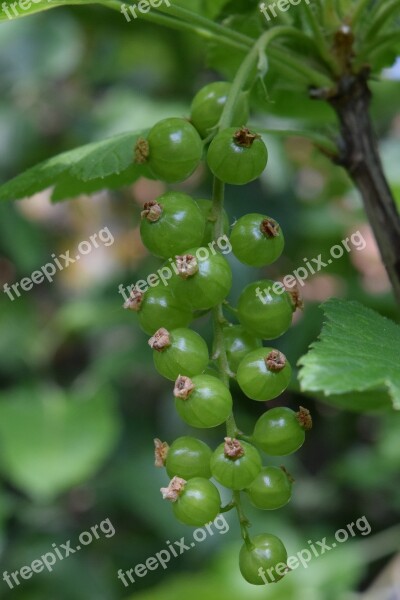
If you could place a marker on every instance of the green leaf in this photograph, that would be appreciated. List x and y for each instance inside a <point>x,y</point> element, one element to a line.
<point>14,10</point>
<point>107,164</point>
<point>50,443</point>
<point>358,350</point>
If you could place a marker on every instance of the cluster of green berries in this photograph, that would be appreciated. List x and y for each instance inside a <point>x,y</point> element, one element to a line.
<point>175,228</point>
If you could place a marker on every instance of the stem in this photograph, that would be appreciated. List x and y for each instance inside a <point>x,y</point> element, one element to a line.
<point>360,157</point>
<point>249,64</point>
<point>194,18</point>
<point>222,35</point>
<point>243,520</point>
<point>310,75</point>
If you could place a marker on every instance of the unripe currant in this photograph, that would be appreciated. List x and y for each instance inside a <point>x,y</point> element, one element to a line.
<point>271,488</point>
<point>235,464</point>
<point>237,156</point>
<point>238,343</point>
<point>180,351</point>
<point>156,308</point>
<point>173,150</point>
<point>194,502</point>
<point>258,563</point>
<point>265,312</point>
<point>257,240</point>
<point>202,401</point>
<point>208,104</point>
<point>281,431</point>
<point>264,374</point>
<point>171,224</point>
<point>187,457</point>
<point>204,279</point>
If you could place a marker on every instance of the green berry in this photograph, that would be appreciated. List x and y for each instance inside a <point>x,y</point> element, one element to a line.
<point>264,374</point>
<point>281,431</point>
<point>202,401</point>
<point>171,224</point>
<point>235,464</point>
<point>237,156</point>
<point>257,240</point>
<point>204,279</point>
<point>208,104</point>
<point>175,150</point>
<point>158,307</point>
<point>264,312</point>
<point>267,553</point>
<point>206,209</point>
<point>194,502</point>
<point>271,489</point>
<point>181,351</point>
<point>238,343</point>
<point>188,457</point>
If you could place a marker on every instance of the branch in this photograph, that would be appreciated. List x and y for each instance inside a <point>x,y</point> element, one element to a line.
<point>359,155</point>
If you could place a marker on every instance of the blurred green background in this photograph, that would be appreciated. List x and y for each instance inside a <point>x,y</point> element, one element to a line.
<point>80,402</point>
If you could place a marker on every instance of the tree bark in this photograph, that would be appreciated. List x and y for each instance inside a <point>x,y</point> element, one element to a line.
<point>359,155</point>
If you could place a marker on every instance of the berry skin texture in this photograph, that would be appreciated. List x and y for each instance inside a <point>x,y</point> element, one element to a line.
<point>188,457</point>
<point>278,432</point>
<point>207,284</point>
<point>257,240</point>
<point>175,150</point>
<point>177,225</point>
<point>267,315</point>
<point>237,158</point>
<point>271,489</point>
<point>208,104</point>
<point>206,209</point>
<point>238,343</point>
<point>198,504</point>
<point>264,374</point>
<point>159,308</point>
<point>185,354</point>
<point>202,401</point>
<point>235,464</point>
<point>267,553</point>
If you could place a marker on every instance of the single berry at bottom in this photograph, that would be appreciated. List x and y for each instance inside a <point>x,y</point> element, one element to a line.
<point>265,562</point>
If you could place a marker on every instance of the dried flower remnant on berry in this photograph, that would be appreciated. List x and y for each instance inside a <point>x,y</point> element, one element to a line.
<point>142,151</point>
<point>187,266</point>
<point>245,138</point>
<point>175,487</point>
<point>160,452</point>
<point>304,418</point>
<point>233,448</point>
<point>134,301</point>
<point>270,228</point>
<point>184,386</point>
<point>160,340</point>
<point>275,361</point>
<point>152,211</point>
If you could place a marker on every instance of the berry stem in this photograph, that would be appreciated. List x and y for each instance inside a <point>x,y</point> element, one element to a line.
<point>243,520</point>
